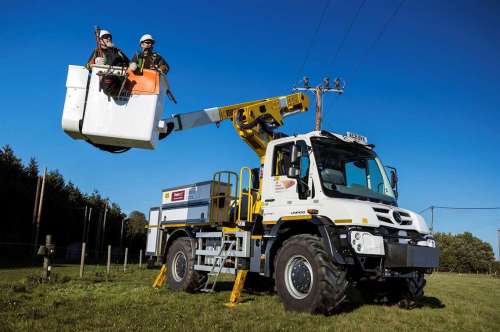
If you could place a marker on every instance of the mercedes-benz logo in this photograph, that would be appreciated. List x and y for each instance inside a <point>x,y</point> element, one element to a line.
<point>396,216</point>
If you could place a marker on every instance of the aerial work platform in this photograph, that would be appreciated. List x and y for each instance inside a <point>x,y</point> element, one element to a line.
<point>127,119</point>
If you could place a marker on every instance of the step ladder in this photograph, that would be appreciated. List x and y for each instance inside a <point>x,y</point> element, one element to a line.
<point>217,265</point>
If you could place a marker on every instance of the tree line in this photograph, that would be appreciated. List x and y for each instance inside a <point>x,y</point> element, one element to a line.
<point>63,214</point>
<point>465,253</point>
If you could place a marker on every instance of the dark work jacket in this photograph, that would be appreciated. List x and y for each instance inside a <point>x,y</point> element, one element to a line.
<point>112,56</point>
<point>150,60</point>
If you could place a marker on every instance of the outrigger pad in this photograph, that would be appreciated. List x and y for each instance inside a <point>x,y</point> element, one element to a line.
<point>161,277</point>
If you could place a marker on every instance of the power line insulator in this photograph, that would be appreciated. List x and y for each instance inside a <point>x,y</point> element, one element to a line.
<point>326,83</point>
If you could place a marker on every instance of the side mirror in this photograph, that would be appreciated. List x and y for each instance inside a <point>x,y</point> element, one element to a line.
<point>394,179</point>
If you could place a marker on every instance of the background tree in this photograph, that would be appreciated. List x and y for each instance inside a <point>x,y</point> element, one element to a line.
<point>464,253</point>
<point>62,216</point>
<point>136,230</point>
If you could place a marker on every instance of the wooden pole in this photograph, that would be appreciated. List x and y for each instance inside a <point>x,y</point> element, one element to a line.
<point>140,258</point>
<point>319,96</point>
<point>125,260</point>
<point>82,260</point>
<point>108,266</point>
<point>88,225</point>
<point>85,223</point>
<point>432,219</point>
<point>40,205</point>
<point>104,225</point>
<point>121,235</point>
<point>35,212</point>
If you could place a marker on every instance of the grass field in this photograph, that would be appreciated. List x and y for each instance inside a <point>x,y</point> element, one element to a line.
<point>128,302</point>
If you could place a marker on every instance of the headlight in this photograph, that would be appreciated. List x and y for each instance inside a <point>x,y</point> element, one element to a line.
<point>427,243</point>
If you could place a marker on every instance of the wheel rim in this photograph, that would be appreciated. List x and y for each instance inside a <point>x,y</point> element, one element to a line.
<point>179,265</point>
<point>298,277</point>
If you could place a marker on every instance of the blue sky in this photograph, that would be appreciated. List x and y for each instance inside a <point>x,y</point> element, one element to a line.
<point>427,94</point>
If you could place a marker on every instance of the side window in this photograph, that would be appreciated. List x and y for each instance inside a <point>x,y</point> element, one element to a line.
<point>376,181</point>
<point>281,159</point>
<point>304,162</point>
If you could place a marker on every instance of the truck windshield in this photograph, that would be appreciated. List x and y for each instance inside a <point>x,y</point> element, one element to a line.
<point>351,170</point>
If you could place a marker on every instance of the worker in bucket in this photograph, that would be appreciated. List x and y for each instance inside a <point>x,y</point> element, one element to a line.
<point>106,53</point>
<point>147,58</point>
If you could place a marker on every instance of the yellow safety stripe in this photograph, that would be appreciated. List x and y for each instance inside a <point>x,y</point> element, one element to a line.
<point>184,225</point>
<point>299,217</point>
<point>269,222</point>
<point>343,221</point>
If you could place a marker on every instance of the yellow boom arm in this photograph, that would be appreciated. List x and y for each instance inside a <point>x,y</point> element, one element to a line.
<point>254,121</point>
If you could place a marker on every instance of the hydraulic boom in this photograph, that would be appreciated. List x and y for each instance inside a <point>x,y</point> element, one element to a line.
<point>254,121</point>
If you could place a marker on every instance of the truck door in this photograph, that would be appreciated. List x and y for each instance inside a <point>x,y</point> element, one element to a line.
<point>285,196</point>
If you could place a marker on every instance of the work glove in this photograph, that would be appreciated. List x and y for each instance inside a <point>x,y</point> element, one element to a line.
<point>99,61</point>
<point>163,69</point>
<point>132,66</point>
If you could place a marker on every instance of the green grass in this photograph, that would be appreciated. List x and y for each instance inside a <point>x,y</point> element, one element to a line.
<point>128,302</point>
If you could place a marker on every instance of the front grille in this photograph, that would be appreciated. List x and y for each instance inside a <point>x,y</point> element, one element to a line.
<point>393,216</point>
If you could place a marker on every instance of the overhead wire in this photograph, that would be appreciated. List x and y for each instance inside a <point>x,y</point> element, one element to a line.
<point>313,39</point>
<point>343,40</point>
<point>381,32</point>
<point>459,208</point>
<point>347,32</point>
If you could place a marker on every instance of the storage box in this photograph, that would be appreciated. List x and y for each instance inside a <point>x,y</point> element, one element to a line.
<point>191,204</point>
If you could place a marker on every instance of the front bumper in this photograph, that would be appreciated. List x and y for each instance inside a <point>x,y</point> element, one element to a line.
<point>410,256</point>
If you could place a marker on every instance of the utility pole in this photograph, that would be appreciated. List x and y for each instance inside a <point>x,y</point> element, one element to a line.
<point>432,218</point>
<point>35,211</point>
<point>40,206</point>
<point>84,223</point>
<point>319,90</point>
<point>498,245</point>
<point>121,235</point>
<point>88,225</point>
<point>104,225</point>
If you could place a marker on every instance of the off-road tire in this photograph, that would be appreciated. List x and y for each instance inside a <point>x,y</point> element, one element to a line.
<point>410,291</point>
<point>329,284</point>
<point>255,283</point>
<point>188,280</point>
<point>403,292</point>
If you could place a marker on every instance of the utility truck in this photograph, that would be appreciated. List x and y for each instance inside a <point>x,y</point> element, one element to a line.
<point>317,216</point>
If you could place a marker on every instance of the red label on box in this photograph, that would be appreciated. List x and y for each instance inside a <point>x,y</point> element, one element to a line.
<point>178,195</point>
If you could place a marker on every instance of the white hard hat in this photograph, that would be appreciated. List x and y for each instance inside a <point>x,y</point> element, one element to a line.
<point>103,33</point>
<point>146,37</point>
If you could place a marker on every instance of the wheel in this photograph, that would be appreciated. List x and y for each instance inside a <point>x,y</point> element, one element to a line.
<point>255,283</point>
<point>306,278</point>
<point>404,292</point>
<point>409,291</point>
<point>180,267</point>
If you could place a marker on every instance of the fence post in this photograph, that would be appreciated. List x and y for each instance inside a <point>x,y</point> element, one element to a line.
<point>125,260</point>
<point>109,259</point>
<point>140,258</point>
<point>82,260</point>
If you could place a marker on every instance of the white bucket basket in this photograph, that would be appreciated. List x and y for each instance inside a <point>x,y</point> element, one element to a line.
<point>130,120</point>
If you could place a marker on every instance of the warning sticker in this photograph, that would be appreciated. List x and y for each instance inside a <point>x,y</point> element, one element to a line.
<point>283,185</point>
<point>178,195</point>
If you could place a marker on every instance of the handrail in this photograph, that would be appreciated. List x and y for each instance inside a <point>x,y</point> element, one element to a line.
<point>248,194</point>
